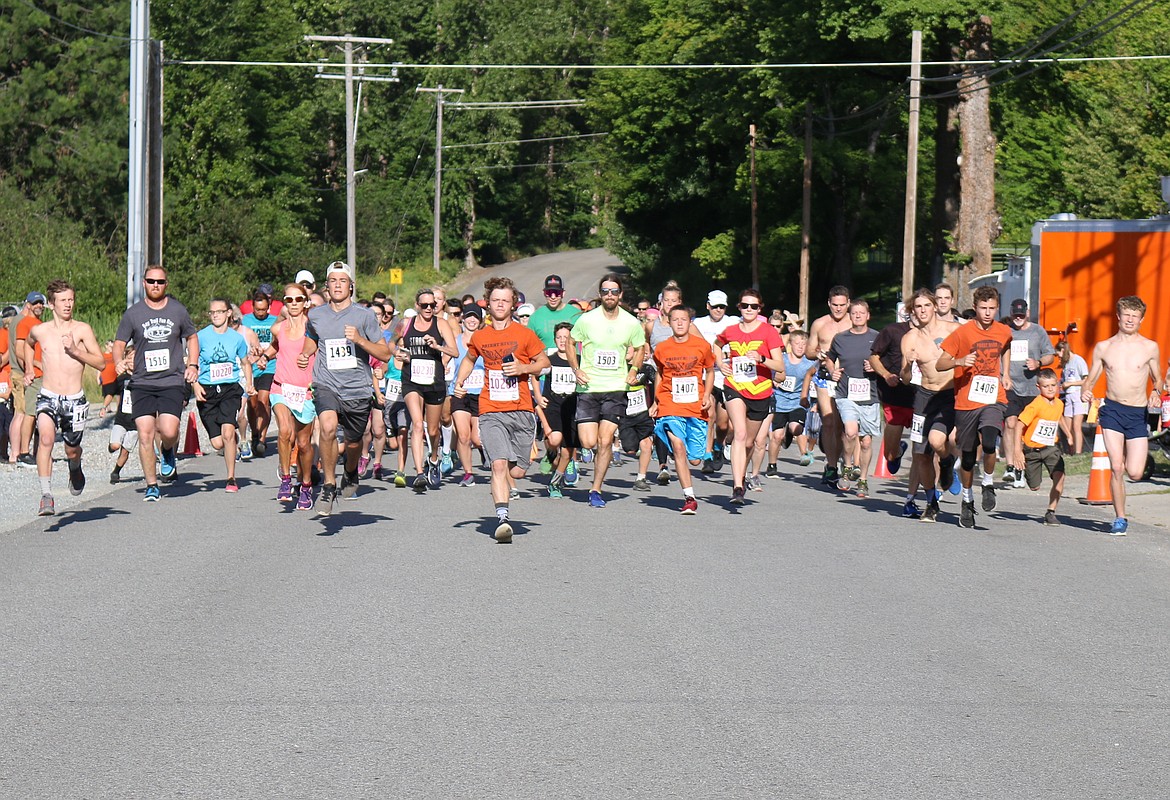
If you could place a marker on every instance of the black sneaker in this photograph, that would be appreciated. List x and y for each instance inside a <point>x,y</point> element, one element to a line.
<point>771,473</point>
<point>76,480</point>
<point>325,503</point>
<point>946,472</point>
<point>1050,518</point>
<point>349,485</point>
<point>420,483</point>
<point>830,476</point>
<point>737,495</point>
<point>787,442</point>
<point>26,460</point>
<point>663,477</point>
<point>967,514</point>
<point>115,475</point>
<point>930,514</point>
<point>989,498</point>
<point>708,467</point>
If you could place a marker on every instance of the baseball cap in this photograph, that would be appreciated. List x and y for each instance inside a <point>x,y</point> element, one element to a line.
<point>1019,307</point>
<point>472,310</point>
<point>339,266</point>
<point>304,276</point>
<point>408,313</point>
<point>554,283</point>
<point>265,289</point>
<point>525,310</point>
<point>34,298</point>
<point>717,298</point>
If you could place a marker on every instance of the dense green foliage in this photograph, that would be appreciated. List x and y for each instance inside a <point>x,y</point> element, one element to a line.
<point>255,157</point>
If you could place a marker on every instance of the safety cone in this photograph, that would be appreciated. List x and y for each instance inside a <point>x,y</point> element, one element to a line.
<point>191,440</point>
<point>1100,493</point>
<point>880,470</point>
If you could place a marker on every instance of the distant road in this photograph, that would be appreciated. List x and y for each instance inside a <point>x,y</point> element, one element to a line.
<point>581,270</point>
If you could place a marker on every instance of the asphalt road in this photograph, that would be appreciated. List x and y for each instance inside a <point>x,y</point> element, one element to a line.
<point>581,271</point>
<point>807,645</point>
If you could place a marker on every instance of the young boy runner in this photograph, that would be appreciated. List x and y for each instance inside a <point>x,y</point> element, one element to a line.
<point>683,400</point>
<point>558,401</point>
<point>1040,421</point>
<point>790,402</point>
<point>507,424</point>
<point>636,427</point>
<point>218,392</point>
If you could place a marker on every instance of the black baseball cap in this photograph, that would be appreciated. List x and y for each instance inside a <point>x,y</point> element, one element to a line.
<point>1019,307</point>
<point>472,310</point>
<point>554,282</point>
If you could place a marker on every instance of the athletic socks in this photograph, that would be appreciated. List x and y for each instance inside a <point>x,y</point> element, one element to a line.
<point>988,479</point>
<point>689,492</point>
<point>502,512</point>
<point>46,485</point>
<point>446,432</point>
<point>968,495</point>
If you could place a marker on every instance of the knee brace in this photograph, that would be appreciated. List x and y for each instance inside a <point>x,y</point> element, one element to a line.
<point>969,459</point>
<point>990,437</point>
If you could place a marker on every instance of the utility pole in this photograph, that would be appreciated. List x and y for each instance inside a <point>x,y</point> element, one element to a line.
<point>439,94</point>
<point>806,214</point>
<point>909,231</point>
<point>136,210</point>
<point>755,211</point>
<point>347,42</point>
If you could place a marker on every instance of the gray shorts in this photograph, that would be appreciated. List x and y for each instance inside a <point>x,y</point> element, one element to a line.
<point>969,424</point>
<point>868,416</point>
<point>508,435</point>
<point>121,436</point>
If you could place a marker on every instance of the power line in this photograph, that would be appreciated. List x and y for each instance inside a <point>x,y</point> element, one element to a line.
<point>81,28</point>
<point>525,141</point>
<point>520,166</point>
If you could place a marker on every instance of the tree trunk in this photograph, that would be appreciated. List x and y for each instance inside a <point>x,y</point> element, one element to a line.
<point>978,224</point>
<point>548,196</point>
<point>945,211</point>
<point>469,259</point>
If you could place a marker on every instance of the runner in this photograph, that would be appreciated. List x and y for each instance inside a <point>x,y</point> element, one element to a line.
<point>934,403</point>
<point>260,320</point>
<point>25,393</point>
<point>636,426</point>
<point>979,351</point>
<point>1040,421</point>
<point>611,354</point>
<point>857,403</point>
<point>422,349</point>
<point>1031,350</point>
<point>349,335</point>
<point>683,399</point>
<point>547,318</point>
<point>65,346</point>
<point>820,336</point>
<point>158,328</point>
<point>292,397</point>
<point>223,360</point>
<point>5,390</point>
<point>1128,360</point>
<point>253,342</point>
<point>1073,371</point>
<point>657,330</point>
<point>710,326</point>
<point>944,298</point>
<point>790,402</point>
<point>123,435</point>
<point>465,407</point>
<point>897,397</point>
<point>558,401</point>
<point>510,353</point>
<point>756,359</point>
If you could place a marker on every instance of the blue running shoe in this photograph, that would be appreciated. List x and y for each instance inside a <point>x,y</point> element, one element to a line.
<point>587,456</point>
<point>434,476</point>
<point>956,484</point>
<point>167,469</point>
<point>245,453</point>
<point>595,500</point>
<point>571,473</point>
<point>1120,526</point>
<point>895,464</point>
<point>152,494</point>
<point>445,464</point>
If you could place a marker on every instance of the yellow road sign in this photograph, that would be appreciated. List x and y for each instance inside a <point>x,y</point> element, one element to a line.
<point>396,277</point>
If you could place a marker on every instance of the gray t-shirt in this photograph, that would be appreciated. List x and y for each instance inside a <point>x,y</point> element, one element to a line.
<point>343,366</point>
<point>159,338</point>
<point>853,351</point>
<point>1039,345</point>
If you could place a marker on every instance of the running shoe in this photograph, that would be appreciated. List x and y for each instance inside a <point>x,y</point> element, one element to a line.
<point>76,480</point>
<point>829,476</point>
<point>806,460</point>
<point>468,479</point>
<point>115,475</point>
<point>504,531</point>
<point>420,483</point>
<point>946,472</point>
<point>1020,482</point>
<point>895,464</point>
<point>737,496</point>
<point>48,506</point>
<point>587,456</point>
<point>152,494</point>
<point>513,493</point>
<point>595,500</point>
<point>787,441</point>
<point>1009,476</point>
<point>545,466</point>
<point>1120,526</point>
<point>328,496</point>
<point>771,473</point>
<point>862,489</point>
<point>285,493</point>
<point>689,506</point>
<point>755,483</point>
<point>708,467</point>
<point>26,460</point>
<point>305,498</point>
<point>931,512</point>
<point>259,447</point>
<point>167,468</point>
<point>363,462</point>
<point>554,491</point>
<point>616,459</point>
<point>231,487</point>
<point>910,510</point>
<point>855,473</point>
<point>718,457</point>
<point>967,514</point>
<point>571,473</point>
<point>349,485</point>
<point>956,482</point>
<point>641,485</point>
<point>376,472</point>
<point>1050,518</point>
<point>400,480</point>
<point>245,451</point>
<point>664,477</point>
<point>434,476</point>
<point>445,464</point>
<point>989,498</point>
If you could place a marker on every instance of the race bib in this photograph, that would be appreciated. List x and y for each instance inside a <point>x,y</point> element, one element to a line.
<point>1165,413</point>
<point>915,374</point>
<point>422,371</point>
<point>1019,350</point>
<point>984,390</point>
<point>684,390</point>
<point>1045,433</point>
<point>80,415</point>
<point>831,386</point>
<point>501,388</point>
<point>4,387</point>
<point>607,359</point>
<point>636,402</point>
<point>157,360</point>
<point>561,380</point>
<point>392,391</point>
<point>474,380</point>
<point>127,404</point>
<point>788,384</point>
<point>294,396</point>
<point>339,354</point>
<point>743,369</point>
<point>916,425</point>
<point>221,373</point>
<point>858,390</point>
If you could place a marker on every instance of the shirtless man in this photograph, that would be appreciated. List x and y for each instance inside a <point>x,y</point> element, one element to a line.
<point>820,336</point>
<point>934,402</point>
<point>66,346</point>
<point>1128,360</point>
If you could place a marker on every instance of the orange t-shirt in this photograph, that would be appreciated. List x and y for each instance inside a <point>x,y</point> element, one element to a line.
<point>23,327</point>
<point>1041,421</point>
<point>988,346</point>
<point>680,376</point>
<point>6,370</point>
<point>109,371</point>
<point>501,393</point>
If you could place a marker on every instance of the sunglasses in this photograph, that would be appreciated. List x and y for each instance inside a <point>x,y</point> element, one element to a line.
<point>297,299</point>
<point>643,308</point>
<point>553,293</point>
<point>525,316</point>
<point>611,291</point>
<point>428,306</point>
<point>721,305</point>
<point>456,313</point>
<point>750,306</point>
<point>155,281</point>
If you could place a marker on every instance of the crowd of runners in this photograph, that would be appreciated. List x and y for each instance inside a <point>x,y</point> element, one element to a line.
<point>494,378</point>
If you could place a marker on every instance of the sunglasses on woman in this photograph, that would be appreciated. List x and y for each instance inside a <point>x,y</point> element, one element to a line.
<point>297,299</point>
<point>428,306</point>
<point>750,306</point>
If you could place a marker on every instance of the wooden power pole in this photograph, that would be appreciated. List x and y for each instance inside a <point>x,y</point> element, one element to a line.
<point>909,232</point>
<point>755,212</point>
<point>806,214</point>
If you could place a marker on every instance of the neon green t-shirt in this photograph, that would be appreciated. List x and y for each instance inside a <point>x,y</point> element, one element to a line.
<point>604,343</point>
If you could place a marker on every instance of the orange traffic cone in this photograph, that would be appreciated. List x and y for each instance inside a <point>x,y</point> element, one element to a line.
<point>191,440</point>
<point>881,470</point>
<point>1100,493</point>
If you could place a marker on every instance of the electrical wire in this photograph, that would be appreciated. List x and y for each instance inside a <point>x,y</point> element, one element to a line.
<point>519,166</point>
<point>81,28</point>
<point>525,141</point>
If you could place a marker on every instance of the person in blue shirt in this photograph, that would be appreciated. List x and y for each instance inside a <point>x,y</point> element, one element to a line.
<point>790,402</point>
<point>260,320</point>
<point>223,360</point>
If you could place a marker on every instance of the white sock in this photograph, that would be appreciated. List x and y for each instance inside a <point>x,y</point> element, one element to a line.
<point>968,497</point>
<point>46,487</point>
<point>446,435</point>
<point>689,492</point>
<point>988,480</point>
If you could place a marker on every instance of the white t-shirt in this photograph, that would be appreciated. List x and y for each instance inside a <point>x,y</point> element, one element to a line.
<point>710,329</point>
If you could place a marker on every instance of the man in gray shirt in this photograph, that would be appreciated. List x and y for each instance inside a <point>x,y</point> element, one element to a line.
<point>343,336</point>
<point>1032,350</point>
<point>857,400</point>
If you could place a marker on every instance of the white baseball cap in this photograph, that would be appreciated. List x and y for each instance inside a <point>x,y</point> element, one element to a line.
<point>304,276</point>
<point>525,310</point>
<point>717,298</point>
<point>339,266</point>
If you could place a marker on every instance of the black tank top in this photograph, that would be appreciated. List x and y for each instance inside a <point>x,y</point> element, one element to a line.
<point>419,350</point>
